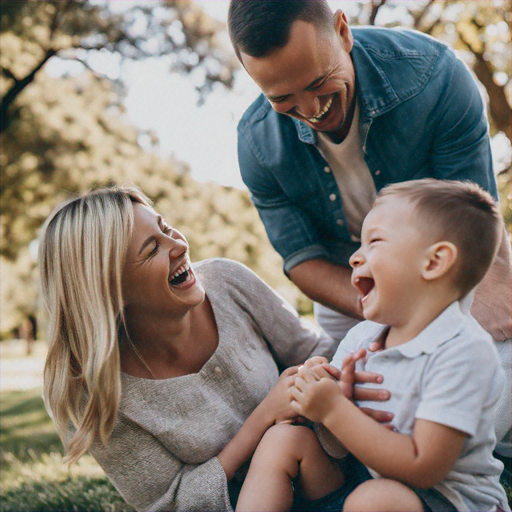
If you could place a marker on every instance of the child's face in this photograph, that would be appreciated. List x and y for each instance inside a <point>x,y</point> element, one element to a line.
<point>387,267</point>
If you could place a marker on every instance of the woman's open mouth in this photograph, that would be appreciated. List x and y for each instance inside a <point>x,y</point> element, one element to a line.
<point>183,275</point>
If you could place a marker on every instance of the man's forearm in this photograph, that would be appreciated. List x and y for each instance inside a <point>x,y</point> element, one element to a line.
<point>493,298</point>
<point>328,284</point>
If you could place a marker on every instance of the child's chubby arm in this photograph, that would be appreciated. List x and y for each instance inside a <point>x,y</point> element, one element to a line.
<point>421,460</point>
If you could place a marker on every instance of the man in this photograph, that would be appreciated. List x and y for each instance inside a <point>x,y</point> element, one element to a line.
<point>344,113</point>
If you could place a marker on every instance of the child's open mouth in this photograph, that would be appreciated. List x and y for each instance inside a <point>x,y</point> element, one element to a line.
<point>365,285</point>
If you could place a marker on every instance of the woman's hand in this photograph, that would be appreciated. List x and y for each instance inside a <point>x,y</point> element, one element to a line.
<point>277,403</point>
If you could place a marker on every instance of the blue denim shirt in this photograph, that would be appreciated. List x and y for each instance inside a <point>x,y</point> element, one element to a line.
<point>421,115</point>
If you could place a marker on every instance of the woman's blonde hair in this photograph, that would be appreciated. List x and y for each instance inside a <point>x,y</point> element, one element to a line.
<point>82,250</point>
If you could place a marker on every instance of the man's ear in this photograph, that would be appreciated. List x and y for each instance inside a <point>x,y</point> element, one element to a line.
<point>440,258</point>
<point>343,30</point>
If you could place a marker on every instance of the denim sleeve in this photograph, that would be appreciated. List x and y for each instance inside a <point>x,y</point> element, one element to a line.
<point>461,148</point>
<point>289,230</point>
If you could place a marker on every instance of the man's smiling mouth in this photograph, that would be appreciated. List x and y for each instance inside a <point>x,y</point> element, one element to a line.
<point>323,114</point>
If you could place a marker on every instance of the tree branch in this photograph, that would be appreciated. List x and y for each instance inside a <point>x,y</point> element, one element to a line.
<point>376,5</point>
<point>17,87</point>
<point>498,104</point>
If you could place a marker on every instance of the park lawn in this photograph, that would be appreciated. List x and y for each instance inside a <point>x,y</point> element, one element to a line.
<point>34,476</point>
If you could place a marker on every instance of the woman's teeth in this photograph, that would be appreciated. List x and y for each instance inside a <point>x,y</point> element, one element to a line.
<point>317,118</point>
<point>180,275</point>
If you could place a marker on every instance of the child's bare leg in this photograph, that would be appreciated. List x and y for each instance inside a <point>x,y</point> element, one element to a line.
<point>285,452</point>
<point>382,495</point>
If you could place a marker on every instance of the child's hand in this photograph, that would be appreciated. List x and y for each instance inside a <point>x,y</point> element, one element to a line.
<point>314,396</point>
<point>348,372</point>
<point>315,360</point>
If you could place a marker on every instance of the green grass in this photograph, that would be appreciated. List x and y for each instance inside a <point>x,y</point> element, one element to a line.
<point>34,476</point>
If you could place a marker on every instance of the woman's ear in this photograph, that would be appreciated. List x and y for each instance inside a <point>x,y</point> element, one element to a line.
<point>440,258</point>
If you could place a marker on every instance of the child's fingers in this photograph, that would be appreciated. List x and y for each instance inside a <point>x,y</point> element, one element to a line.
<point>307,374</point>
<point>314,361</point>
<point>332,370</point>
<point>290,371</point>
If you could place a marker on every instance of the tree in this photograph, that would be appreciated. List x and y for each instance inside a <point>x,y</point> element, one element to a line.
<point>73,28</point>
<point>60,135</point>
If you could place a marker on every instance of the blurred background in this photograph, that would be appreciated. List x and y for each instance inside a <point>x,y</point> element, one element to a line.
<point>149,92</point>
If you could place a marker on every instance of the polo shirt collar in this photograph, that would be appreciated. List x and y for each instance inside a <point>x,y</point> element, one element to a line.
<point>445,327</point>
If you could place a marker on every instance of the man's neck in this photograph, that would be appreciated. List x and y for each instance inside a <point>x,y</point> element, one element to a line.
<point>340,135</point>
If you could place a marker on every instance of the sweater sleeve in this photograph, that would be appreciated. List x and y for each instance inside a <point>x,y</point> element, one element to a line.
<point>151,478</point>
<point>291,338</point>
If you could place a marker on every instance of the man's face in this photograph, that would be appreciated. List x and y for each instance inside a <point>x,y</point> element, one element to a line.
<point>312,77</point>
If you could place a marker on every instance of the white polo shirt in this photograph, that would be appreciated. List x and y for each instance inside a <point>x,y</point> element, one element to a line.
<point>449,374</point>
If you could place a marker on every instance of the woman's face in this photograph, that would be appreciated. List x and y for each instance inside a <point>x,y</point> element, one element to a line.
<point>157,275</point>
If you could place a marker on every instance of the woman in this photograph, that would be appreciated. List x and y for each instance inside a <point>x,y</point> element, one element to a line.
<point>166,372</point>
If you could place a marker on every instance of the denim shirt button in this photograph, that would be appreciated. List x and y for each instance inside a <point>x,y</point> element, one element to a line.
<point>332,197</point>
<point>327,169</point>
<point>340,222</point>
<point>377,172</point>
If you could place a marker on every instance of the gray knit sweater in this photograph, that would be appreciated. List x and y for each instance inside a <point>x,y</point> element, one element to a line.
<point>163,452</point>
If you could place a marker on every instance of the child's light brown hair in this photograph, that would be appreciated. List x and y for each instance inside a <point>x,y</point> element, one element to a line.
<point>460,212</point>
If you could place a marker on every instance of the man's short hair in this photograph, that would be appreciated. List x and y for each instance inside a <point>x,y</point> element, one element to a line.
<point>258,27</point>
<point>460,212</point>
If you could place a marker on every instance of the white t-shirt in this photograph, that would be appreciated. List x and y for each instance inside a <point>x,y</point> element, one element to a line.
<point>449,374</point>
<point>353,177</point>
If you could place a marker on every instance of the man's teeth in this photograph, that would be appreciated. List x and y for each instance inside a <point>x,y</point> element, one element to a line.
<point>183,268</point>
<point>324,111</point>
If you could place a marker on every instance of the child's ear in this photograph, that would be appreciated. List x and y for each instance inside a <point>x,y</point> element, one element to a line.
<point>440,258</point>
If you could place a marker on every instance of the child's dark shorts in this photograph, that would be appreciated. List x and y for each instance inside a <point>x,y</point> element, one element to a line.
<point>355,474</point>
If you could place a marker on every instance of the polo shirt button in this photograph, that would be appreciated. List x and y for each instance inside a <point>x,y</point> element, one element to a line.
<point>377,172</point>
<point>340,222</point>
<point>326,169</point>
<point>332,197</point>
<point>218,370</point>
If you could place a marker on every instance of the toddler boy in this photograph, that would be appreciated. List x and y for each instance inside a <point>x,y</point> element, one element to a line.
<point>425,245</point>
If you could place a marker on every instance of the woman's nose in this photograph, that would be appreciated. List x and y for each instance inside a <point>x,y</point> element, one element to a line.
<point>177,248</point>
<point>356,260</point>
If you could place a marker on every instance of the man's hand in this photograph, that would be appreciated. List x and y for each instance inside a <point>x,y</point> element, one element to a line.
<point>348,372</point>
<point>366,394</point>
<point>277,402</point>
